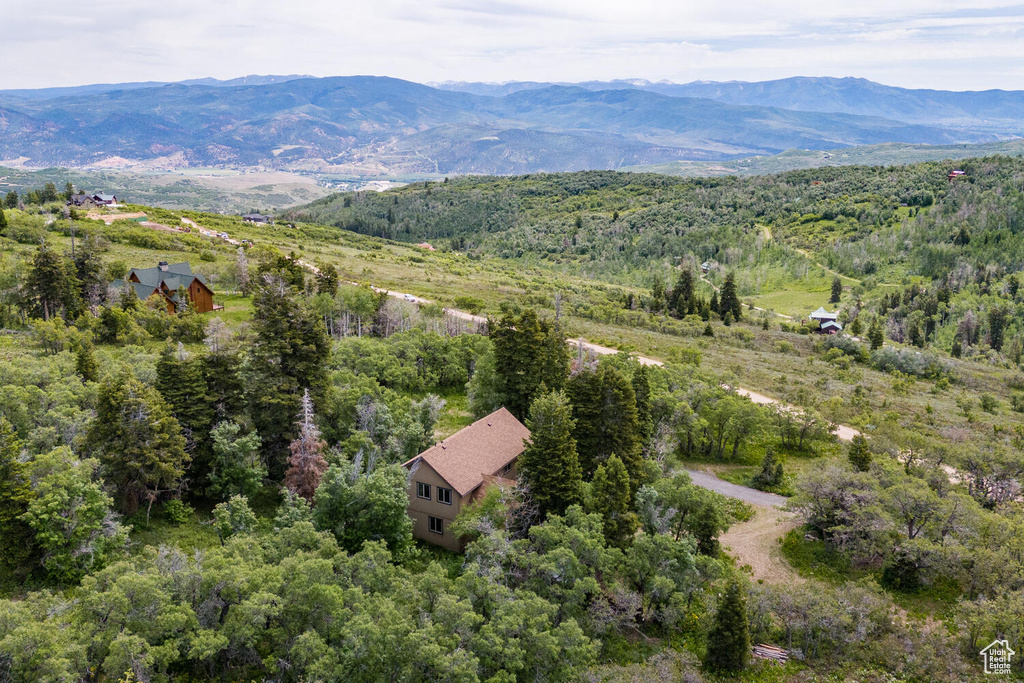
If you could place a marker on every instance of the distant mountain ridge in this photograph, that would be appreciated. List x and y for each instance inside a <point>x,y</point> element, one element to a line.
<point>991,109</point>
<point>367,125</point>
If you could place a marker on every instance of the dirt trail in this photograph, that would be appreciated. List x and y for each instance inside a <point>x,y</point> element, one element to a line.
<point>756,543</point>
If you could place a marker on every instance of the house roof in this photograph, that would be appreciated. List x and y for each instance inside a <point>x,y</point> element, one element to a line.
<point>175,275</point>
<point>829,324</point>
<point>104,197</point>
<point>822,314</point>
<point>479,450</point>
<point>142,291</point>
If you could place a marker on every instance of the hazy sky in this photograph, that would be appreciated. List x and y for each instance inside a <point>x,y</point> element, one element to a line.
<point>914,43</point>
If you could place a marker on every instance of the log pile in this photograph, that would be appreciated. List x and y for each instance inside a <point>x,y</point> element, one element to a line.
<point>771,653</point>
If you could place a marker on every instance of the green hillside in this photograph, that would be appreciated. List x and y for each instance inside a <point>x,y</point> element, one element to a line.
<point>193,556</point>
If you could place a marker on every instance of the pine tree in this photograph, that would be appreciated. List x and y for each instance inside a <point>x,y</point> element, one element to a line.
<point>85,363</point>
<point>771,472</point>
<point>326,279</point>
<point>528,352</point>
<point>642,391</point>
<point>50,284</point>
<point>855,327</point>
<point>715,305</point>
<point>289,352</point>
<point>875,335</point>
<point>860,453</point>
<point>607,420</point>
<point>549,464</point>
<point>89,270</point>
<point>611,496</point>
<point>729,638</point>
<point>306,464</point>
<point>16,536</point>
<point>11,200</point>
<point>730,301</point>
<point>180,380</point>
<point>996,327</point>
<point>682,295</point>
<point>957,349</point>
<point>708,330</point>
<point>137,441</point>
<point>837,291</point>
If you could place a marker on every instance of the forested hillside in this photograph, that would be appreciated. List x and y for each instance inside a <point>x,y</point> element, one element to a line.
<point>220,496</point>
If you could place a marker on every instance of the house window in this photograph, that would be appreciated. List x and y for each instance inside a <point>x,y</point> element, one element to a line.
<point>435,525</point>
<point>422,490</point>
<point>507,468</point>
<point>444,496</point>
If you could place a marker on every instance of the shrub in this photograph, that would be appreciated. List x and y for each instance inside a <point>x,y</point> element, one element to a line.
<point>177,512</point>
<point>908,362</point>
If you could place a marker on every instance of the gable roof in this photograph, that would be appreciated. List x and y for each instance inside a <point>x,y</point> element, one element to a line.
<point>822,314</point>
<point>479,450</point>
<point>829,324</point>
<point>175,275</point>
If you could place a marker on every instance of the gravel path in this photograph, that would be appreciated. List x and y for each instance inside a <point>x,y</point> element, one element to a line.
<point>747,495</point>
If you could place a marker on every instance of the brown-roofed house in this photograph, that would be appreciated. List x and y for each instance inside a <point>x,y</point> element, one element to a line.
<point>457,470</point>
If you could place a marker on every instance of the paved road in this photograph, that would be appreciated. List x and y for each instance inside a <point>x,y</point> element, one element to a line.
<point>747,495</point>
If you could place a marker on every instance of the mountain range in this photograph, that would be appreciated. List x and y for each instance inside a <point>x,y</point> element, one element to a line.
<point>371,126</point>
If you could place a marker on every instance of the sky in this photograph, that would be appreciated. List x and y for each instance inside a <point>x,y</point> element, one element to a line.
<point>943,44</point>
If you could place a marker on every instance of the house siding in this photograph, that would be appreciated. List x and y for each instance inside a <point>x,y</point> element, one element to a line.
<point>420,509</point>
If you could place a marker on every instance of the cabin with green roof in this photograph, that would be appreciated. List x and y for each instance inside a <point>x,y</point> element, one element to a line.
<point>166,280</point>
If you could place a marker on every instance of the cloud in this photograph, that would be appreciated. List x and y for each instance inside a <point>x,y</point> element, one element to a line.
<point>916,43</point>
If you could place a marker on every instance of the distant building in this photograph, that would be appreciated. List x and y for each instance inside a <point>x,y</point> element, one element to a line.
<point>82,201</point>
<point>258,218</point>
<point>828,323</point>
<point>104,199</point>
<point>165,280</point>
<point>426,245</point>
<point>953,175</point>
<point>458,470</point>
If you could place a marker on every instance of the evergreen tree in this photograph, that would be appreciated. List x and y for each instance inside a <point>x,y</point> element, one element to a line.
<point>957,349</point>
<point>137,441</point>
<point>729,638</point>
<point>306,464</point>
<point>288,354</point>
<point>549,464</point>
<point>11,200</point>
<point>89,270</point>
<point>708,330</point>
<point>860,453</point>
<point>16,536</point>
<point>642,391</point>
<point>837,291</point>
<point>326,279</point>
<point>85,363</point>
<point>528,352</point>
<point>682,295</point>
<point>233,516</point>
<point>224,388</point>
<point>235,467</point>
<point>715,306</point>
<point>607,420</point>
<point>771,472</point>
<point>875,335</point>
<point>855,327</point>
<point>611,496</point>
<point>180,380</point>
<point>996,327</point>
<point>730,300</point>
<point>50,284</point>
